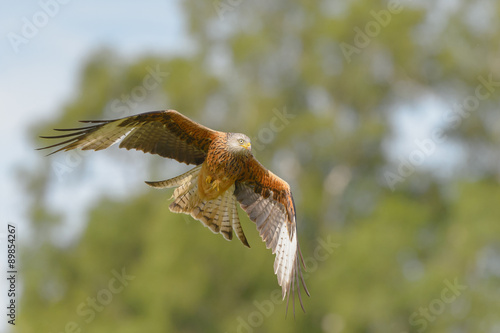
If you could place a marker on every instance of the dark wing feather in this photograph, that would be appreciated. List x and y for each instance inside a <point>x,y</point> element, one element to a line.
<point>268,201</point>
<point>166,133</point>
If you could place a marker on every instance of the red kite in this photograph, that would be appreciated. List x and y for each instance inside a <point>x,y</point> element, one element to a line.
<point>225,172</point>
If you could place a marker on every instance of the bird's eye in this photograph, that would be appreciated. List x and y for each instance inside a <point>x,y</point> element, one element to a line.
<point>241,141</point>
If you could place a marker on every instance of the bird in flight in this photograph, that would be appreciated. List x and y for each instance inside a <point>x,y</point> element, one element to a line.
<point>226,172</point>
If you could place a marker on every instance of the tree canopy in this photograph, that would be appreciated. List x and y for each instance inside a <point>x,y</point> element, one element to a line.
<point>391,246</point>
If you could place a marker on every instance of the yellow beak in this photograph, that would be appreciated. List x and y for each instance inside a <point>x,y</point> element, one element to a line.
<point>246,145</point>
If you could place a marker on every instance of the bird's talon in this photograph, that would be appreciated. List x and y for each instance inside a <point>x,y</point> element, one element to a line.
<point>215,185</point>
<point>208,179</point>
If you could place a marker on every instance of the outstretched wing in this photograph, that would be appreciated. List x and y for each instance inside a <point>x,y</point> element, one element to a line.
<point>268,201</point>
<point>166,133</point>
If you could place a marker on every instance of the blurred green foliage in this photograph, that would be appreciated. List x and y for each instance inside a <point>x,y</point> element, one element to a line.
<point>391,254</point>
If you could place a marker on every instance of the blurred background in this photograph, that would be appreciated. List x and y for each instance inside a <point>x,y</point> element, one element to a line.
<point>382,115</point>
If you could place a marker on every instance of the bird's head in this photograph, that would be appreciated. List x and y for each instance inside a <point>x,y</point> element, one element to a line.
<point>239,144</point>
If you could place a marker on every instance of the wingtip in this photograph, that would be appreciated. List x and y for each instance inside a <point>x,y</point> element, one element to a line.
<point>42,148</point>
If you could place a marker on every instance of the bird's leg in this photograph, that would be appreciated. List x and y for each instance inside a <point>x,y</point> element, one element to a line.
<point>208,179</point>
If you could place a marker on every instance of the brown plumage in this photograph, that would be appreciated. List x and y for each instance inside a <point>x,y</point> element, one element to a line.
<point>225,172</point>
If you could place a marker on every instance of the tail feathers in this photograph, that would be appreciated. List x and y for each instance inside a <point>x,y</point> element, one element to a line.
<point>220,215</point>
<point>184,179</point>
<point>214,215</point>
<point>186,198</point>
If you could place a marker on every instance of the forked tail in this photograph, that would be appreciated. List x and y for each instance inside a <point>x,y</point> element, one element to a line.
<point>220,214</point>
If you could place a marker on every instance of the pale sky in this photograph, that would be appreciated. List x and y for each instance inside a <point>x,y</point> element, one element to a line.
<point>40,74</point>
